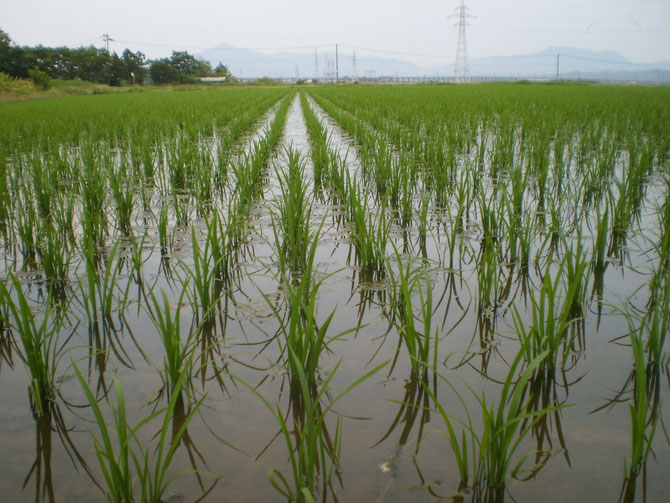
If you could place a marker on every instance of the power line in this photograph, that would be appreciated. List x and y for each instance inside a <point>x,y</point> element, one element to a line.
<point>399,53</point>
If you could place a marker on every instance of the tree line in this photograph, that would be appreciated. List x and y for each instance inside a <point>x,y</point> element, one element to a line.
<point>102,67</point>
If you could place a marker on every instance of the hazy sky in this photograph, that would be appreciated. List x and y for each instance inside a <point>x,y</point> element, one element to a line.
<point>637,29</point>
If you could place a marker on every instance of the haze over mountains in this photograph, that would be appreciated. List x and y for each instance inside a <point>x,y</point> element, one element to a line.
<point>573,63</point>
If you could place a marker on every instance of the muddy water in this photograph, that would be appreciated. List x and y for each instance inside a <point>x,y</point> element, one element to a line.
<point>391,451</point>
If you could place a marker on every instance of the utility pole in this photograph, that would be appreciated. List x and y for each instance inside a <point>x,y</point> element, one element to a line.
<point>558,65</point>
<point>337,66</point>
<point>462,65</point>
<point>105,37</point>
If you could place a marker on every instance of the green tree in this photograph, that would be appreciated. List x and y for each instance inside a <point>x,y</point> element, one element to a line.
<point>135,63</point>
<point>180,68</point>
<point>40,79</point>
<point>163,72</point>
<point>11,58</point>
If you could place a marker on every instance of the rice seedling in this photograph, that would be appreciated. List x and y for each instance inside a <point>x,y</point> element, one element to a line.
<point>93,193</point>
<point>421,341</point>
<point>26,226</point>
<point>303,337</point>
<point>644,416</point>
<point>130,463</point>
<point>486,458</point>
<point>311,454</point>
<point>99,286</point>
<point>122,191</point>
<point>55,257</point>
<point>204,274</point>
<point>5,200</point>
<point>369,232</point>
<point>166,318</point>
<point>42,349</point>
<point>553,314</point>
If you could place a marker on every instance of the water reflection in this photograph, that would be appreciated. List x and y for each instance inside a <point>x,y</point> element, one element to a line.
<point>50,421</point>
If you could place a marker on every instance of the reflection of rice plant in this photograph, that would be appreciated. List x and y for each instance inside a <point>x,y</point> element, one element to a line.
<point>486,457</point>
<point>129,463</point>
<point>39,340</point>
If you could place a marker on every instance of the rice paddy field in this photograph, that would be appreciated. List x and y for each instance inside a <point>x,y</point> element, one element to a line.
<point>338,293</point>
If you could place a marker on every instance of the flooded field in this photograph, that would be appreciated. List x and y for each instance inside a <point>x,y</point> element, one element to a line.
<point>389,294</point>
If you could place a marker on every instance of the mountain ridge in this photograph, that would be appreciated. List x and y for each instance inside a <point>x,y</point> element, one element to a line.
<point>572,62</point>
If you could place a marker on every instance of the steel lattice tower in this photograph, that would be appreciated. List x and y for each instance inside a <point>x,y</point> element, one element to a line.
<point>462,66</point>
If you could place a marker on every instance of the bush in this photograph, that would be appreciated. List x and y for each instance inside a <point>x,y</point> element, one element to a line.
<point>40,79</point>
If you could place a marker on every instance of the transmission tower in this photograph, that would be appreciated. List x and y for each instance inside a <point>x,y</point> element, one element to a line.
<point>107,40</point>
<point>462,66</point>
<point>354,77</point>
<point>316,65</point>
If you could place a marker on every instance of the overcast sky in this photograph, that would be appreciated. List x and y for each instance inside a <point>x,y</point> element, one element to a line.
<point>637,29</point>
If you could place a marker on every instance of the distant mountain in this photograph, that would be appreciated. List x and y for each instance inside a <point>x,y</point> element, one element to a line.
<point>249,63</point>
<point>572,63</point>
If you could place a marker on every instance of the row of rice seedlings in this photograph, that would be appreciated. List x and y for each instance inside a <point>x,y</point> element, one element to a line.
<point>248,169</point>
<point>487,457</point>
<point>390,173</point>
<point>630,192</point>
<point>292,216</point>
<point>320,151</point>
<point>368,230</point>
<point>328,167</point>
<point>149,115</point>
<point>128,462</point>
<point>87,188</point>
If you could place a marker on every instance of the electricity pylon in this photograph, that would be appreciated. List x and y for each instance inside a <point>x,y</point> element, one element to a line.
<point>462,65</point>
